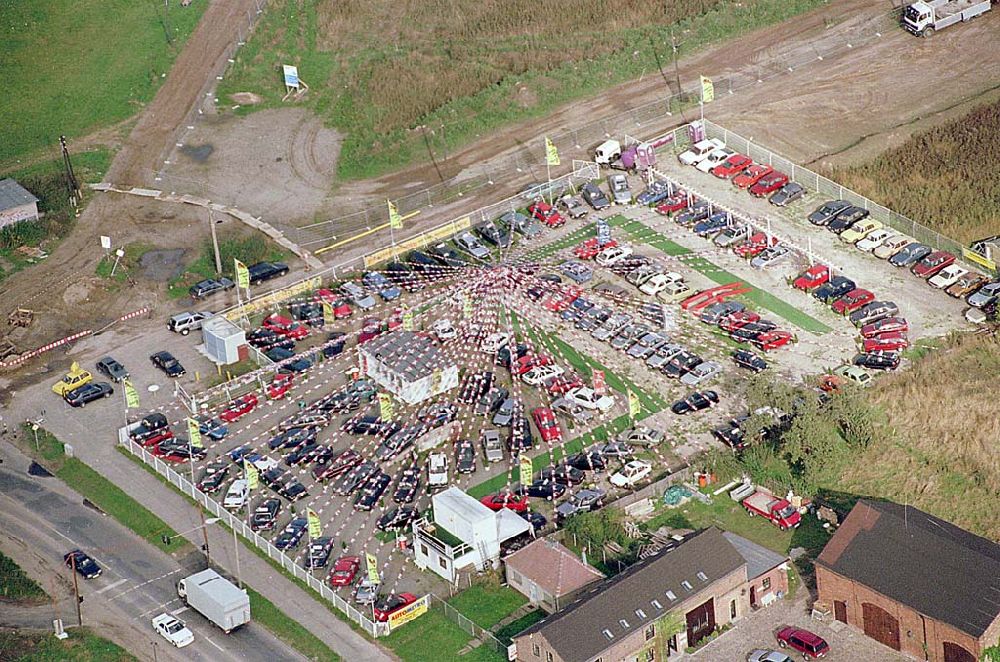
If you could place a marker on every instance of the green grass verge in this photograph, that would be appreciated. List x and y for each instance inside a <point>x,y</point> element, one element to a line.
<point>15,585</point>
<point>487,605</point>
<point>82,645</point>
<point>248,249</point>
<point>434,637</point>
<point>287,629</point>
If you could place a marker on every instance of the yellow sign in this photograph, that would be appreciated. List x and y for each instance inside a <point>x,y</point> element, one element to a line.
<point>372,564</point>
<point>131,395</point>
<point>315,526</point>
<point>385,407</point>
<point>252,475</point>
<point>981,260</point>
<point>634,406</point>
<point>707,90</point>
<point>467,306</point>
<point>408,320</point>
<point>526,470</point>
<point>395,220</point>
<point>551,153</point>
<point>419,241</point>
<point>409,612</point>
<point>436,378</point>
<point>242,275</point>
<point>275,298</point>
<point>194,434</point>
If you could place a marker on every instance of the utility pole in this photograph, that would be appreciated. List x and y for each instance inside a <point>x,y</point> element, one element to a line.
<point>71,183</point>
<point>215,241</point>
<point>677,72</point>
<point>76,591</point>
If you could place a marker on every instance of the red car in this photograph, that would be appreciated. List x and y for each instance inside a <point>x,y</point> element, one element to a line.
<point>529,361</point>
<point>280,385</point>
<point>773,339</point>
<point>344,570</point>
<point>768,184</point>
<point>562,383</point>
<point>515,502</point>
<point>886,325</point>
<point>733,165</point>
<point>932,264</point>
<point>285,327</point>
<point>239,408</point>
<point>852,301</point>
<point>547,214</point>
<point>752,175</point>
<point>589,249</point>
<point>392,603</point>
<point>735,320</point>
<point>547,425</point>
<point>810,645</point>
<point>755,245</point>
<point>885,342</point>
<point>673,204</point>
<point>158,436</point>
<point>812,278</point>
<point>560,301</point>
<point>370,328</point>
<point>341,309</point>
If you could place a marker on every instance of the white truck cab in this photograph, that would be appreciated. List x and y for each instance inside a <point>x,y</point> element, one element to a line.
<point>608,152</point>
<point>923,18</point>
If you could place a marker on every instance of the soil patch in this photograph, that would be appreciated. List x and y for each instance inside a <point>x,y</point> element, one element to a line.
<point>198,153</point>
<point>163,265</point>
<point>246,98</point>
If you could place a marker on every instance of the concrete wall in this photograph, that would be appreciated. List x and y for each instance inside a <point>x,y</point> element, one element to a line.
<point>28,212</point>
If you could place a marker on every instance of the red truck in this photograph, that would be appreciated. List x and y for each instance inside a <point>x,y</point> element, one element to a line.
<point>779,511</point>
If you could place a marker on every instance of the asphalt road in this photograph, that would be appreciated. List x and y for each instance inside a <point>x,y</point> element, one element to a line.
<point>45,520</point>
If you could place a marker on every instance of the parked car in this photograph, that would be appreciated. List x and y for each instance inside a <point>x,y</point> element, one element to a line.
<point>265,515</point>
<point>640,435</point>
<point>811,278</point>
<point>84,565</point>
<point>166,362</point>
<point>594,196</point>
<point>885,325</point>
<point>471,245</point>
<point>872,312</point>
<point>701,372</point>
<point>547,214</point>
<point>494,234</point>
<point>768,184</point>
<point>891,245</point>
<point>345,569</point>
<point>751,175</point>
<point>210,286</point>
<point>715,157</point>
<point>505,499</point>
<point>547,425</point>
<point>860,231</point>
<point>89,392</point>
<point>562,473</point>
<point>966,284</point>
<point>947,276</point>
<point>910,254</point>
<point>654,193</point>
<point>803,641</point>
<point>236,495</point>
<point>873,239</point>
<point>828,211</point>
<point>732,166</point>
<point>523,225</point>
<point>878,360</point>
<point>985,295</point>
<point>185,323</point>
<point>377,282</point>
<point>699,151</point>
<point>373,489</point>
<point>760,655</point>
<point>542,489</point>
<point>589,399</point>
<point>620,191</point>
<point>264,271</point>
<point>465,456</point>
<point>771,255</point>
<point>573,205</point>
<point>390,604</point>
<point>695,402</point>
<point>396,519</point>
<point>632,473</point>
<point>613,255</point>
<point>847,218</point>
<point>833,289</point>
<point>853,300</point>
<point>584,500</point>
<point>744,358</point>
<point>787,194</point>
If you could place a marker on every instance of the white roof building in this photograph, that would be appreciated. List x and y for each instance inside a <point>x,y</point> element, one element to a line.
<point>409,365</point>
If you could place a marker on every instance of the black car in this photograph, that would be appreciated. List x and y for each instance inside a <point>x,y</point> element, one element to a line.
<point>519,438</point>
<point>265,339</point>
<point>399,441</point>
<point>695,402</point>
<point>265,515</point>
<point>293,490</point>
<point>114,370</point>
<point>465,456</point>
<point>750,332</point>
<point>355,477</point>
<point>396,519</point>
<point>304,453</point>
<point>681,364</point>
<point>788,193</point>
<point>446,256</point>
<point>699,212</point>
<point>828,211</point>
<point>210,286</point>
<point>910,255</point>
<point>372,491</point>
<point>166,362</point>
<point>334,345</point>
<point>86,566</point>
<point>878,360</point>
<point>214,476</point>
<point>337,464</point>
<point>274,477</point>
<point>834,288</point>
<point>318,554</point>
<point>437,414</point>
<point>847,218</point>
<point>714,313</point>
<point>576,309</point>
<point>730,434</point>
<point>589,461</point>
<point>543,489</point>
<point>81,395</point>
<point>407,485</point>
<point>562,473</point>
<point>489,403</point>
<point>292,534</point>
<point>292,438</point>
<point>537,520</point>
<point>423,263</point>
<point>310,313</point>
<point>476,384</point>
<point>180,449</point>
<point>151,425</point>
<point>744,358</point>
<point>494,234</point>
<point>263,271</point>
<point>363,424</point>
<point>504,354</point>
<point>594,196</point>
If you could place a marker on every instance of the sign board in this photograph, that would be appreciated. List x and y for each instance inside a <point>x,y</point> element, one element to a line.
<point>291,74</point>
<point>409,612</point>
<point>419,241</point>
<point>603,232</point>
<point>274,298</point>
<point>979,258</point>
<point>372,563</point>
<point>106,243</point>
<point>525,469</point>
<point>600,385</point>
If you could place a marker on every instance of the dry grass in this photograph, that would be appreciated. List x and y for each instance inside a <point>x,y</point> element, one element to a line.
<point>945,456</point>
<point>945,178</point>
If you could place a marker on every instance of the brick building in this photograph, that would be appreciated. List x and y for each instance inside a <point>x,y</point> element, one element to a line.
<point>16,203</point>
<point>660,605</point>
<point>913,582</point>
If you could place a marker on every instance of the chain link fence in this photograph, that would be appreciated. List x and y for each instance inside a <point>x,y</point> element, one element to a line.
<point>470,628</point>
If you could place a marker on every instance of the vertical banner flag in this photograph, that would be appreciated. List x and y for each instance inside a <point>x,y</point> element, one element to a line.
<point>526,470</point>
<point>385,407</point>
<point>372,564</point>
<point>131,395</point>
<point>436,378</point>
<point>551,153</point>
<point>315,526</point>
<point>467,306</point>
<point>633,404</point>
<point>707,90</point>
<point>242,275</point>
<point>251,474</point>
<point>194,433</point>
<point>328,318</point>
<point>597,376</point>
<point>408,320</point>
<point>395,220</point>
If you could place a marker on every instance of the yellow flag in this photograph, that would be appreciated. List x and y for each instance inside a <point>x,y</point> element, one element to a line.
<point>242,275</point>
<point>74,367</point>
<point>131,395</point>
<point>707,90</point>
<point>551,153</point>
<point>467,306</point>
<point>395,220</point>
<point>372,564</point>
<point>436,378</point>
<point>634,406</point>
<point>194,433</point>
<point>328,318</point>
<point>252,475</point>
<point>526,470</point>
<point>315,526</point>
<point>385,407</point>
<point>408,320</point>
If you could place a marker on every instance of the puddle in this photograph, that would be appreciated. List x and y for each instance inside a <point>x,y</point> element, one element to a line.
<point>198,153</point>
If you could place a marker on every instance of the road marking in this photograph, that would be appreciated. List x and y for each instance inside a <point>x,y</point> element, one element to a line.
<point>178,611</point>
<point>157,607</point>
<point>111,586</point>
<point>215,644</point>
<point>149,581</point>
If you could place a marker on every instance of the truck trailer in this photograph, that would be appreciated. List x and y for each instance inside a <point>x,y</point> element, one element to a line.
<point>216,598</point>
<point>924,18</point>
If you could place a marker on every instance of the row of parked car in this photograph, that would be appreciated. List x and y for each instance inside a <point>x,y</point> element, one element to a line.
<point>712,156</point>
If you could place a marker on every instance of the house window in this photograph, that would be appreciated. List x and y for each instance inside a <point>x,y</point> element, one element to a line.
<point>650,655</point>
<point>423,550</point>
<point>671,596</point>
<point>732,609</point>
<point>650,632</point>
<point>607,633</point>
<point>548,656</point>
<point>766,584</point>
<point>687,585</point>
<point>640,613</point>
<point>623,623</point>
<point>535,650</point>
<point>443,563</point>
<point>702,576</point>
<point>656,604</point>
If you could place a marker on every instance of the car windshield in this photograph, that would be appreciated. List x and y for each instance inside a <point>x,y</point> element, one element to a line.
<point>786,511</point>
<point>175,627</point>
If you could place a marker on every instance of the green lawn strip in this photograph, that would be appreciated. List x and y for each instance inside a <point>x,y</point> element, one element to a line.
<point>640,232</point>
<point>575,237</point>
<point>287,629</point>
<point>434,637</point>
<point>514,628</point>
<point>15,585</point>
<point>82,645</point>
<point>487,605</point>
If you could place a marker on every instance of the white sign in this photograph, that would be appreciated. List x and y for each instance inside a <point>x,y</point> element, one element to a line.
<point>105,242</point>
<point>291,73</point>
<point>120,253</point>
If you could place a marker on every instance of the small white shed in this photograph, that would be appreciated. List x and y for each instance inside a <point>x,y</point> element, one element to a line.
<point>225,343</point>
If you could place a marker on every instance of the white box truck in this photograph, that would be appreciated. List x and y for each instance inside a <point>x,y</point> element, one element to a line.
<point>216,598</point>
<point>926,17</point>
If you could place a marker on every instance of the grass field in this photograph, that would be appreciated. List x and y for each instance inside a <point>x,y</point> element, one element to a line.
<point>71,67</point>
<point>15,586</point>
<point>380,69</point>
<point>82,645</point>
<point>487,605</point>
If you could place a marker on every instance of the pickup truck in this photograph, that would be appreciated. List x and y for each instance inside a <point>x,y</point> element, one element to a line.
<point>778,511</point>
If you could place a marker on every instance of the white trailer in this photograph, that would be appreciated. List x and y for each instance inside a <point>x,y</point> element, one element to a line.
<point>607,152</point>
<point>927,16</point>
<point>216,598</point>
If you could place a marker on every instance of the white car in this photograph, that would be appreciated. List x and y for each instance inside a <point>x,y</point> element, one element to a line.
<point>698,151</point>
<point>437,470</point>
<point>590,399</point>
<point>236,496</point>
<point>701,372</point>
<point>264,463</point>
<point>633,472</point>
<point>571,410</point>
<point>947,276</point>
<point>891,246</point>
<point>492,343</point>
<point>767,656</point>
<point>173,630</point>
<point>444,330</point>
<point>541,374</point>
<point>770,255</point>
<point>874,239</point>
<point>659,282</point>
<point>675,291</point>
<point>358,295</point>
<point>613,255</point>
<point>714,158</point>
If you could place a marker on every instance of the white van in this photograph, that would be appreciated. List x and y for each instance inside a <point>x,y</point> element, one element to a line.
<point>236,496</point>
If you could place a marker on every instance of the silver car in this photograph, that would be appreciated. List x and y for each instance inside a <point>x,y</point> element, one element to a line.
<point>620,191</point>
<point>517,222</point>
<point>358,295</point>
<point>468,243</point>
<point>574,206</point>
<point>366,592</point>
<point>701,372</point>
<point>988,293</point>
<point>492,447</point>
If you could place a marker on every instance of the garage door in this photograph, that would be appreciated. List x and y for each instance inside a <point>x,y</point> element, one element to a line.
<point>956,653</point>
<point>880,625</point>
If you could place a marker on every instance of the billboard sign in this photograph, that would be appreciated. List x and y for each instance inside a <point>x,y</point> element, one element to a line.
<point>291,74</point>
<point>409,612</point>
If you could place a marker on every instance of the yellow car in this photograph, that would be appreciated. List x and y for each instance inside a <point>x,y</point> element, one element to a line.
<point>675,291</point>
<point>75,378</point>
<point>859,231</point>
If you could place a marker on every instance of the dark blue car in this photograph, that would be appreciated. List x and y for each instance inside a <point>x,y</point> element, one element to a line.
<point>712,224</point>
<point>656,192</point>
